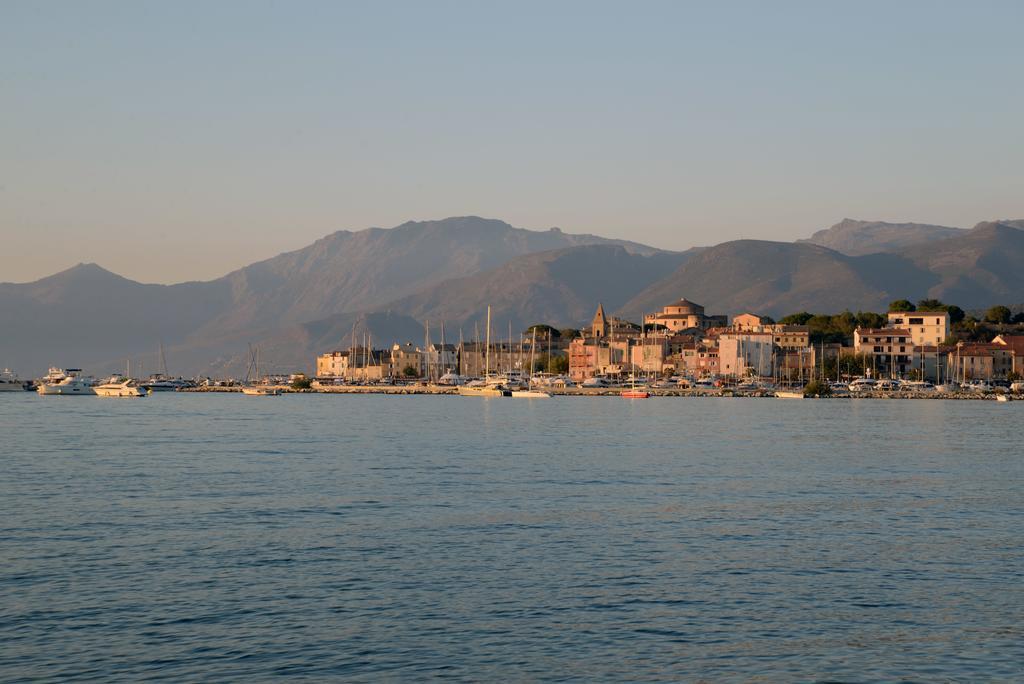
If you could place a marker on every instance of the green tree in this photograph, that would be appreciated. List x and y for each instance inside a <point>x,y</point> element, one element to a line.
<point>956,314</point>
<point>867,319</point>
<point>931,305</point>
<point>998,314</point>
<point>901,305</point>
<point>817,388</point>
<point>1018,318</point>
<point>797,318</point>
<point>569,333</point>
<point>410,372</point>
<point>301,383</point>
<point>543,331</point>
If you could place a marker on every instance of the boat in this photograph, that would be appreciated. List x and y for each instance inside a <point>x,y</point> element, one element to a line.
<point>451,379</point>
<point>529,394</point>
<point>486,391</point>
<point>490,386</point>
<point>261,391</point>
<point>9,382</point>
<point>862,385</point>
<point>525,390</point>
<point>70,386</point>
<point>161,383</point>
<point>596,382</point>
<point>634,394</point>
<point>1003,397</point>
<point>120,387</point>
<point>789,394</point>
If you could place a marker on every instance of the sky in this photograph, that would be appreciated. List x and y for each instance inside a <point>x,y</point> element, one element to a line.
<point>172,141</point>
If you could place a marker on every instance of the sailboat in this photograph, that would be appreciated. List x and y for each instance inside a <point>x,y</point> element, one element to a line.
<point>633,392</point>
<point>529,392</point>
<point>488,390</point>
<point>254,371</point>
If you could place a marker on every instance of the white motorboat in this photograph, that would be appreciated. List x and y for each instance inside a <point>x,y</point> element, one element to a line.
<point>530,394</point>
<point>70,386</point>
<point>9,382</point>
<point>261,391</point>
<point>787,394</point>
<point>120,387</point>
<point>161,383</point>
<point>451,379</point>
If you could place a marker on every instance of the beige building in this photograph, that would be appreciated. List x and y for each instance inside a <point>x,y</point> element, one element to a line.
<point>925,327</point>
<point>791,337</point>
<point>685,315</point>
<point>890,349</point>
<point>741,354</point>
<point>406,356</point>
<point>332,364</point>
<point>650,354</point>
<point>603,326</point>
<point>1015,344</point>
<point>787,337</point>
<point>748,322</point>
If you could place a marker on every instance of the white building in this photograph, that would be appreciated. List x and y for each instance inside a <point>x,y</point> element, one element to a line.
<point>925,327</point>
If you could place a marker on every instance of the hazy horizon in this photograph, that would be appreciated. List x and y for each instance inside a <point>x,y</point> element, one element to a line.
<point>173,143</point>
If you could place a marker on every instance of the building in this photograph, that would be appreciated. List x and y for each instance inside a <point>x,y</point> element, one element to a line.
<point>359,364</point>
<point>981,361</point>
<point>787,337</point>
<point>791,337</point>
<point>971,362</point>
<point>1015,343</point>
<point>925,327</point>
<point>439,359</point>
<point>685,315</point>
<point>741,354</point>
<point>697,358</point>
<point>332,364</point>
<point>598,356</point>
<point>650,354</point>
<point>406,361</point>
<point>889,349</point>
<point>604,326</point>
<point>748,322</point>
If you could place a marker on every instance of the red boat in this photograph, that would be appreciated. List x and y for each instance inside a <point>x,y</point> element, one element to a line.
<point>634,394</point>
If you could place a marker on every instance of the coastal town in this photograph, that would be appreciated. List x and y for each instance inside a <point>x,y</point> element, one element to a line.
<point>913,350</point>
<point>682,346</point>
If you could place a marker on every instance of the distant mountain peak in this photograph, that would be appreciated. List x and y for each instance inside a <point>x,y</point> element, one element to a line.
<point>855,237</point>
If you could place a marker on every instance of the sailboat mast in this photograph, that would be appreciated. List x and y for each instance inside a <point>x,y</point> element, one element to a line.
<point>533,353</point>
<point>487,349</point>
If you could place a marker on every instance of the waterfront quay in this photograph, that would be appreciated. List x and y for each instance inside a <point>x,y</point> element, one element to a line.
<point>443,390</point>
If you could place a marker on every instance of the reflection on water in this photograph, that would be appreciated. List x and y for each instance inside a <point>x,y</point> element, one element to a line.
<point>236,538</point>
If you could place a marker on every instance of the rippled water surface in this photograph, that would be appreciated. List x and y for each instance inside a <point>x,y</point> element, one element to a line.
<point>214,538</point>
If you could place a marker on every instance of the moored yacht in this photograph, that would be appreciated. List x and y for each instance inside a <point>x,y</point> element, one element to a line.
<point>162,383</point>
<point>70,386</point>
<point>9,382</point>
<point>120,387</point>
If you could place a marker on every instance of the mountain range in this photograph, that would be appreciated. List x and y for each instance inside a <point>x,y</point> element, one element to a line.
<point>386,283</point>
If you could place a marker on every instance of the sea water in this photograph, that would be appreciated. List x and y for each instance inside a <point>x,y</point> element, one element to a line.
<point>211,537</point>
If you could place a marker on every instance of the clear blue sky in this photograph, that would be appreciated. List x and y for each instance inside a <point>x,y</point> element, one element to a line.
<point>179,140</point>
